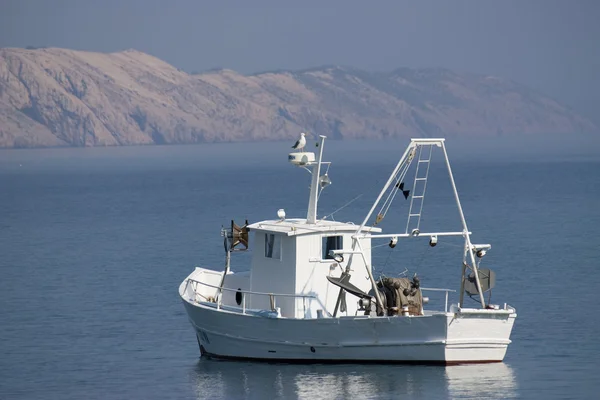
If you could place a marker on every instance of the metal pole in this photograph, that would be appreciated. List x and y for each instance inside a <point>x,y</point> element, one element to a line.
<point>227,266</point>
<point>465,229</point>
<point>368,268</point>
<point>311,216</point>
<point>476,273</point>
<point>304,306</point>
<point>462,283</point>
<point>446,305</point>
<point>337,303</point>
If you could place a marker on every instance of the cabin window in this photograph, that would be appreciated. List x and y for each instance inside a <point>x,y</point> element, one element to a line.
<point>272,246</point>
<point>331,243</point>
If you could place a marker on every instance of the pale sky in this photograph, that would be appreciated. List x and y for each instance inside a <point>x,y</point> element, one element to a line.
<point>552,46</point>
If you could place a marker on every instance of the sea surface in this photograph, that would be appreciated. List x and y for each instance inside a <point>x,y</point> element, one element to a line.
<point>94,243</point>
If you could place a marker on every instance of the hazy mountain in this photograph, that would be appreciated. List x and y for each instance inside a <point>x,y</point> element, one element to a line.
<point>58,97</point>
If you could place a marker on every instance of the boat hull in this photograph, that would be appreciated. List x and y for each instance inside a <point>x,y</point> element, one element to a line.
<point>476,336</point>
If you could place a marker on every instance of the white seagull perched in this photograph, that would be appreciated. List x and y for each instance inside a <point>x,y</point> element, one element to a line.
<point>300,143</point>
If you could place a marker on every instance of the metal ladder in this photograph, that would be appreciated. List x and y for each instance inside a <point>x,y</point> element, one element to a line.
<point>420,197</point>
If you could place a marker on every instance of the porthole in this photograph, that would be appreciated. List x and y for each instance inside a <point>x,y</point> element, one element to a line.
<point>238,296</point>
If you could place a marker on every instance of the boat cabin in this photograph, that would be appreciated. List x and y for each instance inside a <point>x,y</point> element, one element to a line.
<point>292,256</point>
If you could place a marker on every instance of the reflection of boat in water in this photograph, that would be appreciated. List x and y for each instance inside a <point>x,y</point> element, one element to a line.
<point>481,381</point>
<point>311,295</point>
<point>216,379</point>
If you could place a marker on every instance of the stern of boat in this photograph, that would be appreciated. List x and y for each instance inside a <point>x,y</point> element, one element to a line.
<point>478,335</point>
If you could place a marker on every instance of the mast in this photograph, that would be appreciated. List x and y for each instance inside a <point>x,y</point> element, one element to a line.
<point>469,246</point>
<point>311,215</point>
<point>356,241</point>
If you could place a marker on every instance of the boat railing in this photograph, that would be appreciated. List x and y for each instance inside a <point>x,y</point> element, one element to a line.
<point>440,290</point>
<point>272,296</point>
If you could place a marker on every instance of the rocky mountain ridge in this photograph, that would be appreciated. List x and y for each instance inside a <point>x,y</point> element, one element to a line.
<point>60,97</point>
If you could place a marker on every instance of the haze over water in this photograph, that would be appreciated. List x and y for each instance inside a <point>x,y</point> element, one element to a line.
<point>95,242</point>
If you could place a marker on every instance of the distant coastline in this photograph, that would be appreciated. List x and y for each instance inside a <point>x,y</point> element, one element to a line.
<point>52,97</point>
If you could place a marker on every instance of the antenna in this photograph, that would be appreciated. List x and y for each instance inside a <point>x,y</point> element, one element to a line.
<point>311,215</point>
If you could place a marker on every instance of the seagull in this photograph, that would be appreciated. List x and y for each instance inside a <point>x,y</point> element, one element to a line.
<point>300,143</point>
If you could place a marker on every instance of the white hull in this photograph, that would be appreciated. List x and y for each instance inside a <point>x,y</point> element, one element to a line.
<point>465,337</point>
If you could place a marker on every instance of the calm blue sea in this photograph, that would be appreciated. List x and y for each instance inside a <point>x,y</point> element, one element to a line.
<point>94,243</point>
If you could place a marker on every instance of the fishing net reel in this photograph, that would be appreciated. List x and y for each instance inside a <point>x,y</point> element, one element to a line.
<point>400,296</point>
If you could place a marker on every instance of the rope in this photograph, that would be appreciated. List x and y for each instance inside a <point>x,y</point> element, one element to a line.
<point>344,206</point>
<point>377,183</point>
<point>399,178</point>
<point>394,191</point>
<point>387,259</point>
<point>388,201</point>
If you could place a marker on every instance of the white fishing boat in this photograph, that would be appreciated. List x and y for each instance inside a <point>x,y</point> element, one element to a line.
<point>310,294</point>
